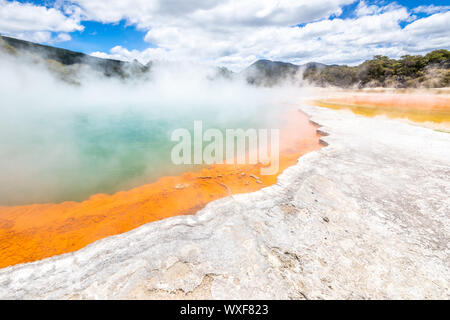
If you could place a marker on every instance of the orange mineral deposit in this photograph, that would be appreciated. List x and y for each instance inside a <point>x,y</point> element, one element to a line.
<point>418,107</point>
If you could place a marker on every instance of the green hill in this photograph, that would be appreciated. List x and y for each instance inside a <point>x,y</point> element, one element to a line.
<point>430,71</point>
<point>65,57</point>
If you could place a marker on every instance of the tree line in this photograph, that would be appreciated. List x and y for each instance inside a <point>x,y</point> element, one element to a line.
<point>431,71</point>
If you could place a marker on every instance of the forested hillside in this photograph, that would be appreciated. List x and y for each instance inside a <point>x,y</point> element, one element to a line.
<point>431,71</point>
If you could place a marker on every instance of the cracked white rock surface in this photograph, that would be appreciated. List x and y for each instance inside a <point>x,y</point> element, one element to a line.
<point>383,185</point>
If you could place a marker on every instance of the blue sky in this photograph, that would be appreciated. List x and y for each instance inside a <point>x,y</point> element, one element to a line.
<point>221,31</point>
<point>98,36</point>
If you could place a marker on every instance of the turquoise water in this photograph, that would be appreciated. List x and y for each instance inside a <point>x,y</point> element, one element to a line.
<point>69,156</point>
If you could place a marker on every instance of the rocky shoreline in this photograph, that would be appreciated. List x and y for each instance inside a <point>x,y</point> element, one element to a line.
<point>366,217</point>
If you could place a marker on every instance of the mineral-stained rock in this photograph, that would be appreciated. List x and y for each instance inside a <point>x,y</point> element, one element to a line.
<point>383,184</point>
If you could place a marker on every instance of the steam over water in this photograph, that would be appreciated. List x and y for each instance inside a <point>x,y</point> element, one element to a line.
<point>64,142</point>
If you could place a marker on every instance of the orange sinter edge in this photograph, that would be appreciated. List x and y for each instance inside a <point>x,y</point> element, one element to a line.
<point>33,232</point>
<point>415,107</point>
<point>422,102</point>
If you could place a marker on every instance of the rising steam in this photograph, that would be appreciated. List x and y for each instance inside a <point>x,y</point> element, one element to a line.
<point>66,140</point>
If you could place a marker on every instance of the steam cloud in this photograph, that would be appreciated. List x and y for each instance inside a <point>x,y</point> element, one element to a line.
<point>62,141</point>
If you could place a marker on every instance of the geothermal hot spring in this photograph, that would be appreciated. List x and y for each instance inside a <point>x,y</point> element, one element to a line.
<point>85,161</point>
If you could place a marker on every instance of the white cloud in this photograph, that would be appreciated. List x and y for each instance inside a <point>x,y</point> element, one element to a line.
<point>363,9</point>
<point>378,31</point>
<point>235,33</point>
<point>35,36</point>
<point>433,25</point>
<point>150,13</point>
<point>430,9</point>
<point>63,37</point>
<point>36,23</point>
<point>120,53</point>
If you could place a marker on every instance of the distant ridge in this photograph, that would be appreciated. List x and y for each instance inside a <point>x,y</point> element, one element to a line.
<point>430,71</point>
<point>108,67</point>
<point>268,72</point>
